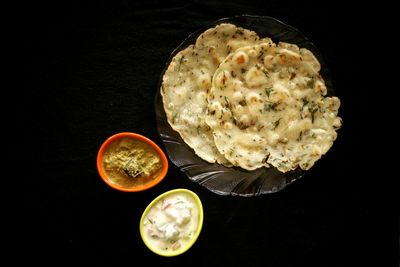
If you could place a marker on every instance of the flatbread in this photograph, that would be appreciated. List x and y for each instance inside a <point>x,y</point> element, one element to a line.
<point>187,81</point>
<point>267,106</point>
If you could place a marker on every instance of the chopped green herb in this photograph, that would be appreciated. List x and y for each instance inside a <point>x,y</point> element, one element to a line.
<point>229,49</point>
<point>276,124</point>
<point>174,117</point>
<point>313,110</point>
<point>265,73</point>
<point>311,82</point>
<point>239,31</point>
<point>305,102</point>
<point>243,102</point>
<point>234,120</point>
<point>242,70</point>
<point>270,106</point>
<point>223,82</point>
<point>268,91</point>
<point>222,113</point>
<point>261,54</point>
<point>228,104</point>
<point>180,62</point>
<point>300,136</point>
<point>242,126</point>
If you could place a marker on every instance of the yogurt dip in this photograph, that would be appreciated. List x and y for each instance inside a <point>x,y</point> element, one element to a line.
<point>172,222</point>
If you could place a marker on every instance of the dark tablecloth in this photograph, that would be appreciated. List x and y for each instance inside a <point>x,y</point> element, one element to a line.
<point>92,69</point>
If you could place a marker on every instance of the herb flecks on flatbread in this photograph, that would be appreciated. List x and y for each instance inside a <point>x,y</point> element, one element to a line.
<point>239,100</point>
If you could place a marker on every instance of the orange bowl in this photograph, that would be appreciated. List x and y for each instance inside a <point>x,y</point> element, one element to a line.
<point>139,187</point>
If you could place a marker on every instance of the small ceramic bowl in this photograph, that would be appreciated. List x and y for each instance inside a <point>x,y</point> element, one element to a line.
<point>156,212</point>
<point>131,183</point>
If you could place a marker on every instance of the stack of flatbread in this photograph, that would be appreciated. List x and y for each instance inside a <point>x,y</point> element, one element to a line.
<point>240,100</point>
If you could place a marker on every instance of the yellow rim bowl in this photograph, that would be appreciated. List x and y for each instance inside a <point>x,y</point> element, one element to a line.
<point>195,236</point>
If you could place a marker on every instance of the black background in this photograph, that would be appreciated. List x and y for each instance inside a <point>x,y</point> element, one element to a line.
<point>91,69</point>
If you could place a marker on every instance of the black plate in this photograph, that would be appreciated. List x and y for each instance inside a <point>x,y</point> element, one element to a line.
<point>217,178</point>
